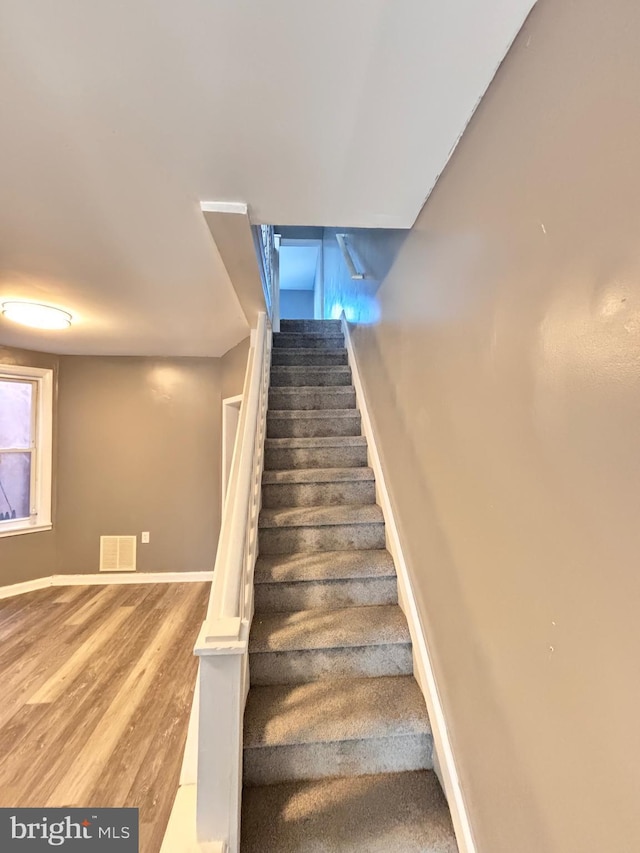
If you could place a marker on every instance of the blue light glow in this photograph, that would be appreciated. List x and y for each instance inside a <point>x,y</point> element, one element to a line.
<point>363,309</point>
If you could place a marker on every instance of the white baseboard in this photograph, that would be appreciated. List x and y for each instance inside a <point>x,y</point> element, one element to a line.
<point>26,586</point>
<point>189,771</point>
<point>102,579</point>
<point>131,577</point>
<point>444,759</point>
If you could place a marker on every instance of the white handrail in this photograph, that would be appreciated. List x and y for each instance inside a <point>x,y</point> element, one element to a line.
<point>346,255</point>
<point>225,597</point>
<point>223,642</point>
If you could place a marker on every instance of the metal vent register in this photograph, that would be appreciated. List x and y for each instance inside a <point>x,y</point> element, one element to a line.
<point>118,553</point>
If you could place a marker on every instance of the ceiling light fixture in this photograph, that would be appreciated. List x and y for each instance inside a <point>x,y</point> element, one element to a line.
<point>36,315</point>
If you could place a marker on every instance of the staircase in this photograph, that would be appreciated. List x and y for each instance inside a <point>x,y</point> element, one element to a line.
<point>337,744</point>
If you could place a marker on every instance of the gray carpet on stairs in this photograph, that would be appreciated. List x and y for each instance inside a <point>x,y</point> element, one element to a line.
<point>385,813</point>
<point>338,751</point>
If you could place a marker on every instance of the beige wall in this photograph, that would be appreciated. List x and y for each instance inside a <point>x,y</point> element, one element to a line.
<point>138,448</point>
<point>234,240</point>
<point>505,383</point>
<point>234,367</point>
<point>30,555</point>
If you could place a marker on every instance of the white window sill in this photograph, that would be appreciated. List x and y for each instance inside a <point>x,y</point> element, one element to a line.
<point>26,528</point>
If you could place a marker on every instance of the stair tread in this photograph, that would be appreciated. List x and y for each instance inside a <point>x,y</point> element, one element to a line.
<point>315,441</point>
<point>316,389</point>
<point>332,710</point>
<point>303,340</point>
<point>346,627</point>
<point>312,397</point>
<point>294,323</point>
<point>304,414</point>
<point>324,566</point>
<point>304,350</point>
<point>320,516</point>
<point>327,333</point>
<point>318,475</point>
<point>382,813</point>
<point>313,368</point>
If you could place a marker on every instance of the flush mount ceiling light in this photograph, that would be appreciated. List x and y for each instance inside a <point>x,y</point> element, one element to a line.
<point>36,315</point>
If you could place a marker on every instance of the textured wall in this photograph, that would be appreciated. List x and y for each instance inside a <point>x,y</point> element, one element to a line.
<point>504,377</point>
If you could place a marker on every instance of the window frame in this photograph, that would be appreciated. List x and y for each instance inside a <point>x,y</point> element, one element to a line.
<point>41,451</point>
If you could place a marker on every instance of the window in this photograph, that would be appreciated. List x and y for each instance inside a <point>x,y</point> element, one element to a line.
<point>26,416</point>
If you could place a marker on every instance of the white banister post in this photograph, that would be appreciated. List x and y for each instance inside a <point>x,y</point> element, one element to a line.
<point>222,697</point>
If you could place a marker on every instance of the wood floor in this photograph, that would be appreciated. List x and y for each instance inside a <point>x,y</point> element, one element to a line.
<point>96,685</point>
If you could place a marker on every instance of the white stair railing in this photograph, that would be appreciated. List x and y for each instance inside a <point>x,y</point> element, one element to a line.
<point>268,251</point>
<point>222,645</point>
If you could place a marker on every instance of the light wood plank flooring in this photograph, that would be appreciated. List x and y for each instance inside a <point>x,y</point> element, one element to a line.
<point>96,688</point>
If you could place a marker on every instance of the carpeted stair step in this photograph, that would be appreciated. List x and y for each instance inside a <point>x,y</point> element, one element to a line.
<point>324,566</point>
<point>310,375</point>
<point>301,356</point>
<point>318,487</point>
<point>348,451</point>
<point>312,397</point>
<point>335,727</point>
<point>324,580</point>
<point>385,813</point>
<point>314,327</point>
<point>320,528</point>
<point>285,340</point>
<point>353,642</point>
<point>313,424</point>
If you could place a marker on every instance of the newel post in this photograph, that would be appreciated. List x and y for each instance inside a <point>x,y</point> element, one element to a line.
<point>222,651</point>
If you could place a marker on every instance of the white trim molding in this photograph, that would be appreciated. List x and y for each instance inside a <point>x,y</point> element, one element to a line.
<point>238,207</point>
<point>26,586</point>
<point>19,531</point>
<point>104,580</point>
<point>132,577</point>
<point>445,764</point>
<point>40,447</point>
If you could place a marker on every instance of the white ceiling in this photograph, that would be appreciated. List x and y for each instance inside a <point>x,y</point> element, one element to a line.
<point>119,117</point>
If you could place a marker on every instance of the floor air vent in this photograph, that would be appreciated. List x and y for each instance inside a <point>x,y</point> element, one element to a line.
<point>118,553</point>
